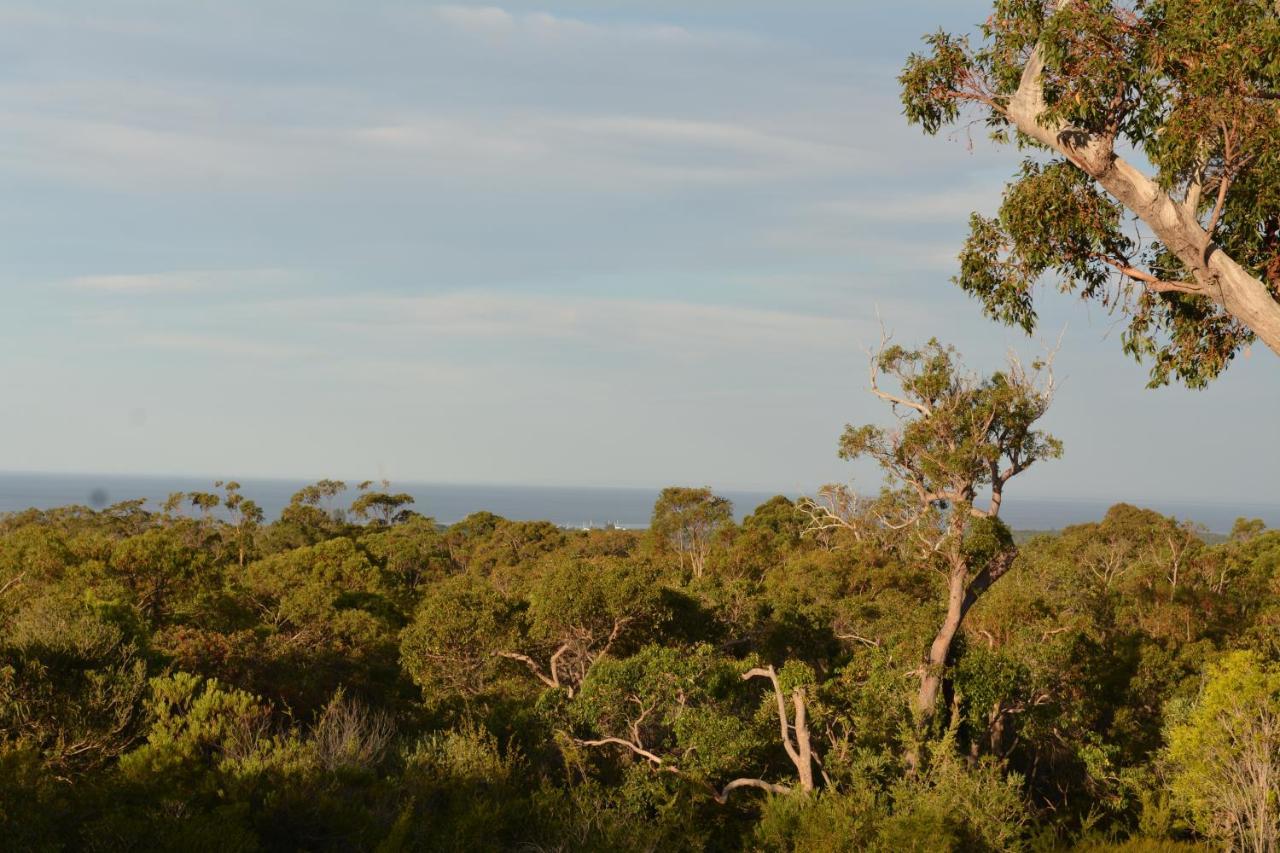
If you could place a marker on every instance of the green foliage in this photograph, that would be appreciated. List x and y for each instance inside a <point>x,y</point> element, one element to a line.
<point>1224,754</point>
<point>827,823</point>
<point>969,433</point>
<point>1053,220</point>
<point>31,805</point>
<point>450,647</point>
<point>70,684</point>
<point>688,705</point>
<point>510,685</point>
<point>1190,85</point>
<point>383,508</point>
<point>465,792</point>
<point>952,807</point>
<point>411,555</point>
<point>686,521</point>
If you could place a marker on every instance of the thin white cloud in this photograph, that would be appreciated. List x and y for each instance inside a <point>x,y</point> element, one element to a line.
<point>912,205</point>
<point>610,153</point>
<point>757,146</point>
<point>477,20</point>
<point>670,325</point>
<point>217,344</point>
<point>182,281</point>
<point>871,251</point>
<point>544,27</point>
<point>606,152</point>
<point>15,16</point>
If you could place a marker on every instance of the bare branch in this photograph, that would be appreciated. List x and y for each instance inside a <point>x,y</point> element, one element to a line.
<point>783,723</point>
<point>866,641</point>
<point>532,665</point>
<point>1195,191</point>
<point>1224,183</point>
<point>721,796</point>
<point>874,373</point>
<point>554,663</point>
<point>771,787</point>
<point>1149,281</point>
<point>835,508</point>
<point>12,582</point>
<point>638,750</point>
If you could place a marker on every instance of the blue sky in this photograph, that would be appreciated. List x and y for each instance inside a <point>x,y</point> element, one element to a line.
<point>605,243</point>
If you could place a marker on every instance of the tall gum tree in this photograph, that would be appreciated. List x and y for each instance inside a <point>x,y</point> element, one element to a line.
<point>958,442</point>
<point>1191,87</point>
<point>687,521</point>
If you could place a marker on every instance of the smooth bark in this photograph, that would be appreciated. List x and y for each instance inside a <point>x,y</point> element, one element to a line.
<point>1216,275</point>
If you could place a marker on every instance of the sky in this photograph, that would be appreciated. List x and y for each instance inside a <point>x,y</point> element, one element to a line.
<point>578,243</point>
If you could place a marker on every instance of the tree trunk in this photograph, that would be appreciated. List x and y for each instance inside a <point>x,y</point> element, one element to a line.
<point>931,679</point>
<point>804,750</point>
<point>801,750</point>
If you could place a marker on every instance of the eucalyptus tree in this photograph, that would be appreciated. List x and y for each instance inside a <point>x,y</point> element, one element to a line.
<point>382,507</point>
<point>246,517</point>
<point>958,442</point>
<point>1167,111</point>
<point>303,521</point>
<point>206,502</point>
<point>686,520</point>
<point>158,569</point>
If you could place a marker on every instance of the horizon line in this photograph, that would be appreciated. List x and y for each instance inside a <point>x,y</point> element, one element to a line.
<point>752,490</point>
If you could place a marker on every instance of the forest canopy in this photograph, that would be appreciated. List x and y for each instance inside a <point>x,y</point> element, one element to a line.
<point>884,672</point>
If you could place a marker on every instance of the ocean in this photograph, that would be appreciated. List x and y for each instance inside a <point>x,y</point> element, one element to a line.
<point>569,506</point>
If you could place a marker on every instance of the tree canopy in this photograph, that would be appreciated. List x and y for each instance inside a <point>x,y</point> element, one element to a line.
<point>1150,183</point>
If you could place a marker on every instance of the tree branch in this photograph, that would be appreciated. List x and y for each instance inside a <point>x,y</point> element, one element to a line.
<point>638,750</point>
<point>866,641</point>
<point>995,569</point>
<point>532,665</point>
<point>721,796</point>
<point>771,787</point>
<point>12,582</point>
<point>874,371</point>
<point>1152,283</point>
<point>1224,183</point>
<point>783,723</point>
<point>555,663</point>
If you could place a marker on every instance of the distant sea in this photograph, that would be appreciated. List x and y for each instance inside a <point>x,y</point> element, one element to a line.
<point>570,506</point>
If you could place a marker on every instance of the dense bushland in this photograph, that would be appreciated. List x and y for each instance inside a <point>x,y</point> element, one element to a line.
<point>195,679</point>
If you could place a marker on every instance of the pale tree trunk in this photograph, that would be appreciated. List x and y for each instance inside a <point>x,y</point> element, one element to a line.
<point>804,748</point>
<point>940,649</point>
<point>799,749</point>
<point>1217,276</point>
<point>961,596</point>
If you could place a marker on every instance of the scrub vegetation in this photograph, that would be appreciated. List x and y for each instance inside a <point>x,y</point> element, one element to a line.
<point>845,672</point>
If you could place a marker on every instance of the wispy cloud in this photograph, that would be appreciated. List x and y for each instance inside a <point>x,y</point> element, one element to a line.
<point>871,251</point>
<point>218,344</point>
<point>480,20</point>
<point>913,205</point>
<point>182,281</point>
<point>606,323</point>
<point>494,21</point>
<point>609,152</point>
<point>633,153</point>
